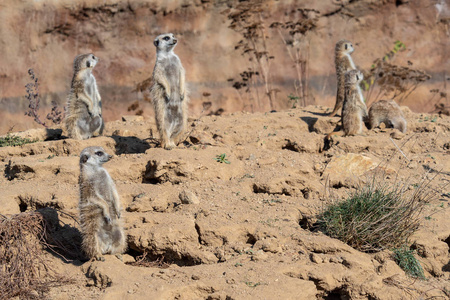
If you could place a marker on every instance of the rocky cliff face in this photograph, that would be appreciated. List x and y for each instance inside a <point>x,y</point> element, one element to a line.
<point>46,35</point>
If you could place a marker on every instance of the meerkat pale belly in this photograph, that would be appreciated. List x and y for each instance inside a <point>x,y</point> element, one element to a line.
<point>99,205</point>
<point>168,92</point>
<point>84,111</point>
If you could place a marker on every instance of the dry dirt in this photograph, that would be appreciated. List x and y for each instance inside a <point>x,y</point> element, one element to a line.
<point>240,230</point>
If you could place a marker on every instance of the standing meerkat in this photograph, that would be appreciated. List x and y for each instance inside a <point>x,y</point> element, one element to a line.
<point>84,107</point>
<point>387,112</point>
<point>354,109</point>
<point>344,63</point>
<point>101,226</point>
<point>168,92</point>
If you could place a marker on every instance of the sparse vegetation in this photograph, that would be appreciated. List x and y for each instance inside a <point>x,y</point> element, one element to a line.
<point>295,36</point>
<point>377,215</point>
<point>389,80</point>
<point>222,158</point>
<point>56,116</point>
<point>13,140</point>
<point>25,272</point>
<point>406,260</point>
<point>248,19</point>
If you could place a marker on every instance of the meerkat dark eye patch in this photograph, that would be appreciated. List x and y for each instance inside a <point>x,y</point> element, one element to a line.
<point>156,43</point>
<point>357,77</point>
<point>346,46</point>
<point>99,153</point>
<point>84,158</point>
<point>166,38</point>
<point>88,64</point>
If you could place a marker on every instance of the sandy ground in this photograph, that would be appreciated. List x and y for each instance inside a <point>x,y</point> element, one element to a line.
<point>243,229</point>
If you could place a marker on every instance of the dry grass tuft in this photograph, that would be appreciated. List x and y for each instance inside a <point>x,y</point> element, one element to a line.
<point>378,215</point>
<point>24,269</point>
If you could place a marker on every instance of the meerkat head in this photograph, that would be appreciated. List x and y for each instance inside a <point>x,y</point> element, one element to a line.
<point>344,47</point>
<point>84,62</point>
<point>353,77</point>
<point>94,156</point>
<point>165,42</point>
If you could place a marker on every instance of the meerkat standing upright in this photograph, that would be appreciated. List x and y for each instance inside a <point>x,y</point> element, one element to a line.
<point>344,63</point>
<point>354,109</point>
<point>168,92</point>
<point>84,108</point>
<point>387,112</point>
<point>99,206</point>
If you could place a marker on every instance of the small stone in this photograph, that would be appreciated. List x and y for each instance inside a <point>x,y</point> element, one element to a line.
<point>316,258</point>
<point>188,197</point>
<point>132,118</point>
<point>397,134</point>
<point>127,258</point>
<point>195,277</point>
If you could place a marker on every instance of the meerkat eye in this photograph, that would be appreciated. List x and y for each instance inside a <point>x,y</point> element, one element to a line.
<point>166,38</point>
<point>99,153</point>
<point>93,57</point>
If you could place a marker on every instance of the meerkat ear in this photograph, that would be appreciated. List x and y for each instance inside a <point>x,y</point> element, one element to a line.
<point>88,64</point>
<point>156,43</point>
<point>84,158</point>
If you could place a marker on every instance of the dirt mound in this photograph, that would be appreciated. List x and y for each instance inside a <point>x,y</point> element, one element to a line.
<point>242,228</point>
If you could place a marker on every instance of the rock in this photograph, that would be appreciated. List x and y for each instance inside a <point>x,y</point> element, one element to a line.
<point>132,118</point>
<point>347,169</point>
<point>99,278</point>
<point>39,134</point>
<point>188,197</point>
<point>315,258</point>
<point>127,259</point>
<point>397,134</point>
<point>125,132</point>
<point>323,126</point>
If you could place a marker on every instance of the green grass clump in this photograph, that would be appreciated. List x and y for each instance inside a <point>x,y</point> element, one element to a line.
<point>376,216</point>
<point>12,140</point>
<point>406,260</point>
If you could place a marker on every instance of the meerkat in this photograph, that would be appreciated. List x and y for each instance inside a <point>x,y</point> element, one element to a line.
<point>344,63</point>
<point>168,92</point>
<point>354,110</point>
<point>99,206</point>
<point>84,108</point>
<point>387,112</point>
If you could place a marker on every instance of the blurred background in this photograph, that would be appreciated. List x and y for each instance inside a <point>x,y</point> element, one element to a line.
<point>258,55</point>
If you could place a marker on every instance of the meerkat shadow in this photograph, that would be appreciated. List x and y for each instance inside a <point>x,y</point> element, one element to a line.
<point>132,144</point>
<point>310,121</point>
<point>324,114</point>
<point>62,240</point>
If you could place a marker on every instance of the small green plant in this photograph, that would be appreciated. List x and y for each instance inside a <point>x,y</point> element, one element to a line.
<point>376,215</point>
<point>406,260</point>
<point>294,100</point>
<point>222,158</point>
<point>12,140</point>
<point>252,284</point>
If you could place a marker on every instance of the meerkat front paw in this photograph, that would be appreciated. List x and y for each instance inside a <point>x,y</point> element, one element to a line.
<point>99,258</point>
<point>169,146</point>
<point>107,219</point>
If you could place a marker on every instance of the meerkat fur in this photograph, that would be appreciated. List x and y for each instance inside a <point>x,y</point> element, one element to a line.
<point>168,92</point>
<point>354,110</point>
<point>84,109</point>
<point>344,63</point>
<point>389,113</point>
<point>99,206</point>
